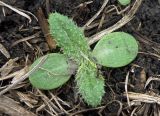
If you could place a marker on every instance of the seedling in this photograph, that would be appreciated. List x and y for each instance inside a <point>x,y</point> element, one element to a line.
<point>124,2</point>
<point>113,50</point>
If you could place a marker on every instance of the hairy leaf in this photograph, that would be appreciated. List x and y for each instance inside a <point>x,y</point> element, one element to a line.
<point>71,39</point>
<point>55,71</point>
<point>68,36</point>
<point>116,49</point>
<point>90,83</point>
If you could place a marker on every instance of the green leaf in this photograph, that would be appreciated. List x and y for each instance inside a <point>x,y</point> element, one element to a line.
<point>90,83</point>
<point>124,2</point>
<point>55,72</point>
<point>71,39</point>
<point>68,36</point>
<point>116,49</point>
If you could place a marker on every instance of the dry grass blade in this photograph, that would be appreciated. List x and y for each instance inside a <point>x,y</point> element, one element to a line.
<point>139,97</point>
<point>63,102</point>
<point>133,111</point>
<point>14,74</point>
<point>118,25</point>
<point>28,13</point>
<point>58,104</point>
<point>151,79</point>
<point>53,108</point>
<point>151,54</point>
<point>24,76</point>
<point>4,51</point>
<point>40,108</point>
<point>85,3</point>
<point>126,88</point>
<point>7,67</point>
<point>96,15</point>
<point>26,39</point>
<point>20,74</point>
<point>27,99</point>
<point>10,107</point>
<point>16,10</point>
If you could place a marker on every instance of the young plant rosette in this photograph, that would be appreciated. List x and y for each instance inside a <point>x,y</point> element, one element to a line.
<point>114,50</point>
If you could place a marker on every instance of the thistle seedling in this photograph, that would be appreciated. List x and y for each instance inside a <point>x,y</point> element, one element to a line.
<point>113,50</point>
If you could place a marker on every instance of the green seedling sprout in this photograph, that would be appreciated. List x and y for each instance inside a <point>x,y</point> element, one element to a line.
<point>124,2</point>
<point>113,50</point>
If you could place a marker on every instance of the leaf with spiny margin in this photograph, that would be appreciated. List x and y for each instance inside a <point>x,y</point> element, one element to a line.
<point>55,72</point>
<point>90,83</point>
<point>68,36</point>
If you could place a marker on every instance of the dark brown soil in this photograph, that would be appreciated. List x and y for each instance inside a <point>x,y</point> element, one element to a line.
<point>145,26</point>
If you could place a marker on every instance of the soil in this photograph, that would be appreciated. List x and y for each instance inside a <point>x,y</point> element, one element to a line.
<point>145,26</point>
